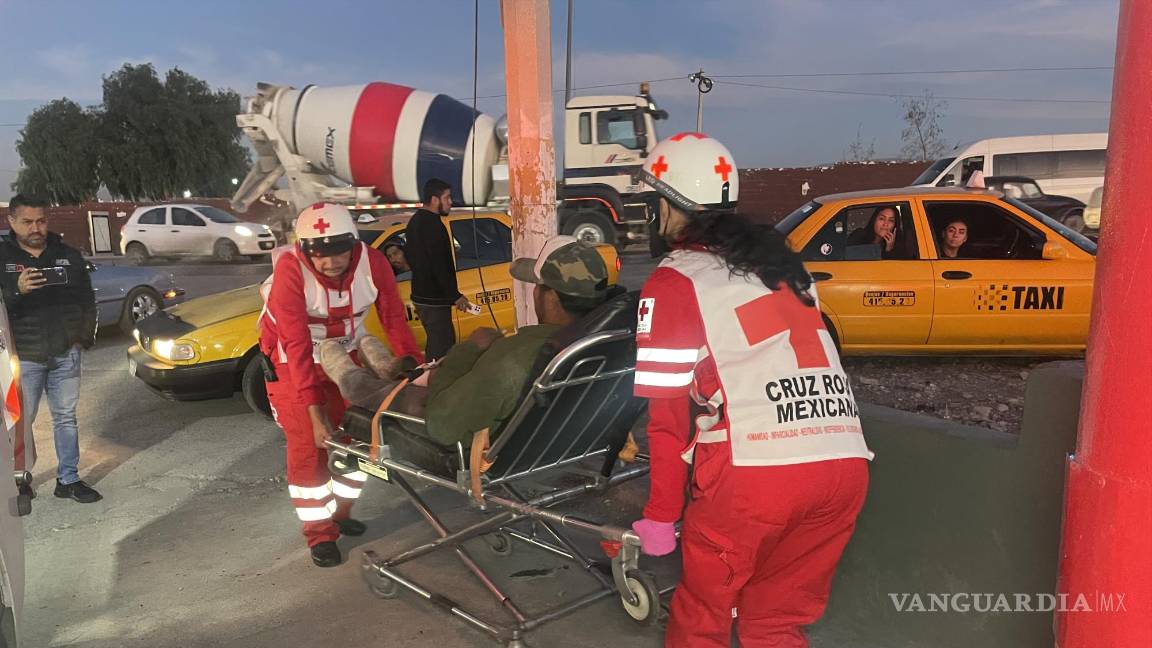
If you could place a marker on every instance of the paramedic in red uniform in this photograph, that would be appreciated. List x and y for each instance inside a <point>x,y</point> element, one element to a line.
<point>323,288</point>
<point>744,383</point>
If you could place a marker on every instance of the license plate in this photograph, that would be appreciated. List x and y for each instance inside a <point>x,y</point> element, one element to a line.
<point>131,367</point>
<point>373,469</point>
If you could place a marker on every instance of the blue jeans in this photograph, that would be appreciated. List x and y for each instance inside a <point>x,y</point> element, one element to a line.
<point>60,378</point>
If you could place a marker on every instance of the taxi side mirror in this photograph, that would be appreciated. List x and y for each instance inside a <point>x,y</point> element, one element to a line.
<point>1054,251</point>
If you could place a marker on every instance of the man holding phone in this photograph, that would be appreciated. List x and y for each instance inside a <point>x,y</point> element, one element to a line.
<point>52,311</point>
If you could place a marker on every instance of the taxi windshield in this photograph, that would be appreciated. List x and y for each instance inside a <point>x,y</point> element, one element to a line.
<point>1081,241</point>
<point>790,221</point>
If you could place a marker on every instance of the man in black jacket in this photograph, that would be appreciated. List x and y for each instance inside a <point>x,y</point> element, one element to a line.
<point>52,311</point>
<point>428,247</point>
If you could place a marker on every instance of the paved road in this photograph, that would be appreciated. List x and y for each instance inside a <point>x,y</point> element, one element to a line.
<point>196,544</point>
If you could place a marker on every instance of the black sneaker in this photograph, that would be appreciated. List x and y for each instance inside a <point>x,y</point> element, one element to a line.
<point>351,527</point>
<point>326,554</point>
<point>78,491</point>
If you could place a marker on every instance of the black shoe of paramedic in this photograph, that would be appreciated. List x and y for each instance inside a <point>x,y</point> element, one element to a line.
<point>326,554</point>
<point>78,491</point>
<point>351,527</point>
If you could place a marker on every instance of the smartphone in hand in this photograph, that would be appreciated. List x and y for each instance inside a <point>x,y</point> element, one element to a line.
<point>475,309</point>
<point>55,276</point>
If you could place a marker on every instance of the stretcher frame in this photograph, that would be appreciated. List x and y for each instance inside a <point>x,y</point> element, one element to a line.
<point>574,373</point>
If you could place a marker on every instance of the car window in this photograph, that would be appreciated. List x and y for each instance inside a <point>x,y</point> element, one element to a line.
<point>1080,164</point>
<point>1041,165</point>
<point>928,176</point>
<point>846,237</point>
<point>617,127</point>
<point>486,243</point>
<point>186,218</point>
<point>216,215</point>
<point>585,128</point>
<point>993,232</point>
<point>791,221</point>
<point>152,217</point>
<point>1077,239</point>
<point>1031,190</point>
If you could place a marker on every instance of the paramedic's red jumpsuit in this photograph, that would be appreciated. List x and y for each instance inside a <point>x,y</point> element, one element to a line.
<point>760,540</point>
<point>304,308</point>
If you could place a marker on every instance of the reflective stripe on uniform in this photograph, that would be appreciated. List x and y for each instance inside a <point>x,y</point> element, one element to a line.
<point>660,379</point>
<point>675,356</point>
<point>310,492</point>
<point>340,489</point>
<point>316,513</point>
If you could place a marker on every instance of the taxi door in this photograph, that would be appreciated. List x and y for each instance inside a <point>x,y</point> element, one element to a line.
<point>876,303</point>
<point>1001,293</point>
<point>483,251</point>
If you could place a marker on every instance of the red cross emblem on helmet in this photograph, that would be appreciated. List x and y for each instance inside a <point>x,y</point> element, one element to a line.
<point>695,172</point>
<point>321,225</point>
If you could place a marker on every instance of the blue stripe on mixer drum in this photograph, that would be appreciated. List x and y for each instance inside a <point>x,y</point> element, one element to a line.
<point>443,141</point>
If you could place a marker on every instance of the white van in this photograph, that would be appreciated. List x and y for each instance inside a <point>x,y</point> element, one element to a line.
<point>1064,165</point>
<point>192,230</point>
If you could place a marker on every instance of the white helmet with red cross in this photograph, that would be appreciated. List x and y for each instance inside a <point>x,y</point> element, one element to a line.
<point>693,171</point>
<point>325,229</point>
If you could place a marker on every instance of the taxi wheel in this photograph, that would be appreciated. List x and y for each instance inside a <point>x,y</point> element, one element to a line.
<point>253,387</point>
<point>831,331</point>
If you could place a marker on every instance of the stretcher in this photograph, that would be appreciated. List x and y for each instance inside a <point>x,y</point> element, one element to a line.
<point>569,428</point>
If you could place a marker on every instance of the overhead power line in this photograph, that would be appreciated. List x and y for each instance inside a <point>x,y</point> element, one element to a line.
<point>899,95</point>
<point>790,75</point>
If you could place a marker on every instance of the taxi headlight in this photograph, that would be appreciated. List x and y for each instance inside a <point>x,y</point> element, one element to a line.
<point>173,350</point>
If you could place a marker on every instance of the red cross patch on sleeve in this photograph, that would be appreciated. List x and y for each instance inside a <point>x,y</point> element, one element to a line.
<point>644,315</point>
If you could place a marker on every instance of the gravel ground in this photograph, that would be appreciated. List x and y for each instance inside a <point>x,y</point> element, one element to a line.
<point>987,392</point>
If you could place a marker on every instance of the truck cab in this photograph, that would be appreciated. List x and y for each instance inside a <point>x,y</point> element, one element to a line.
<point>606,140</point>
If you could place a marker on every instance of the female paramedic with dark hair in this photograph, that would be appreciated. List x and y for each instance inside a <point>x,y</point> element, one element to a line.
<point>730,342</point>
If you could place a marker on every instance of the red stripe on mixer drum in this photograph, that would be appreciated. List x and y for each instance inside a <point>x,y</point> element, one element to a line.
<point>373,135</point>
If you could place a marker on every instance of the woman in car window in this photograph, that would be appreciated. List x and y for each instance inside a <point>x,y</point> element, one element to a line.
<point>952,238</point>
<point>882,230</point>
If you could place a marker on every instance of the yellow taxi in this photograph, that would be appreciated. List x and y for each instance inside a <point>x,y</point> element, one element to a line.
<point>1018,283</point>
<point>207,347</point>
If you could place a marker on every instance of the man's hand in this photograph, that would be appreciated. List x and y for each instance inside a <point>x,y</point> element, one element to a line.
<point>462,304</point>
<point>30,279</point>
<point>321,428</point>
<point>484,337</point>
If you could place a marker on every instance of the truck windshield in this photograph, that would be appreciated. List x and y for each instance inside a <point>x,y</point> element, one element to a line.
<point>217,215</point>
<point>928,177</point>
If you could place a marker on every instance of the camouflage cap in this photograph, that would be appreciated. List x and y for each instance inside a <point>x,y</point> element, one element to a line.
<point>566,265</point>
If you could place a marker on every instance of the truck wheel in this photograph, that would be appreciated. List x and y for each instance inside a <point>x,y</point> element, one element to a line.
<point>1074,220</point>
<point>253,387</point>
<point>591,226</point>
<point>136,253</point>
<point>139,303</point>
<point>225,251</point>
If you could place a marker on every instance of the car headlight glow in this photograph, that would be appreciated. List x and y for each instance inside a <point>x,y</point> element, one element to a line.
<point>243,230</point>
<point>172,350</point>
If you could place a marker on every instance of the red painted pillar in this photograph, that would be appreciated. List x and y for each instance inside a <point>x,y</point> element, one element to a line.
<point>1106,555</point>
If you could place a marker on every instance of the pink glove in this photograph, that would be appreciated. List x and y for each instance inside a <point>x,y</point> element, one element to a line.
<point>656,538</point>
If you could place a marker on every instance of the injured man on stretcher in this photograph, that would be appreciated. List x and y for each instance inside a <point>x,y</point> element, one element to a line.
<point>478,384</point>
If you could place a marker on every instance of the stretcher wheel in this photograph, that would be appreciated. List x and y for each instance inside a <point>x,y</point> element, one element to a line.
<point>23,505</point>
<point>499,543</point>
<point>379,584</point>
<point>646,611</point>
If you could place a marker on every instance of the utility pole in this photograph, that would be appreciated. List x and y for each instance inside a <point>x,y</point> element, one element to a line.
<point>703,87</point>
<point>1107,540</point>
<point>568,61</point>
<point>531,151</point>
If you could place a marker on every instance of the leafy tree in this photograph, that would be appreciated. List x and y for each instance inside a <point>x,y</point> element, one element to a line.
<point>59,151</point>
<point>160,139</point>
<point>923,136</point>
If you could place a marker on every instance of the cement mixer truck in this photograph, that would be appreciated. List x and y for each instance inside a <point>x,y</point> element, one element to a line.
<point>379,142</point>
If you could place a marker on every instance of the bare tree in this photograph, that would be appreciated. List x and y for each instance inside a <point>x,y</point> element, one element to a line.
<point>858,150</point>
<point>923,136</point>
